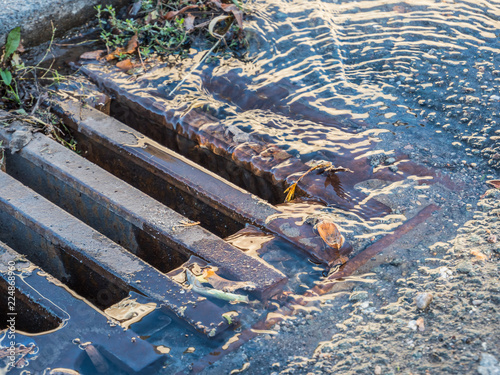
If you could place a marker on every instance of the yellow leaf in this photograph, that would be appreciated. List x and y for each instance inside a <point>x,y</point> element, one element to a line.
<point>290,192</point>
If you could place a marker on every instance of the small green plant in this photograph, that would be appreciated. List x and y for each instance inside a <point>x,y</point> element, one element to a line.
<point>9,83</point>
<point>16,79</point>
<point>156,35</point>
<point>163,28</point>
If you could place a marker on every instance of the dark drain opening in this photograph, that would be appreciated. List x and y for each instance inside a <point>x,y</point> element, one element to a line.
<point>148,181</point>
<point>30,317</point>
<point>155,128</point>
<point>100,289</point>
<point>99,217</point>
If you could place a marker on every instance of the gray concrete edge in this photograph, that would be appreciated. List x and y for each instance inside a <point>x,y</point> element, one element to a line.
<point>36,17</point>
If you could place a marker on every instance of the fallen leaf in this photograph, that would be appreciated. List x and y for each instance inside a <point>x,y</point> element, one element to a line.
<point>174,13</point>
<point>92,55</point>
<point>330,233</point>
<point>230,8</point>
<point>125,65</point>
<point>210,277</point>
<point>189,22</point>
<point>208,273</point>
<point>494,183</point>
<point>211,292</point>
<point>238,14</point>
<point>132,46</point>
<point>212,25</point>
<point>153,16</point>
<point>20,48</point>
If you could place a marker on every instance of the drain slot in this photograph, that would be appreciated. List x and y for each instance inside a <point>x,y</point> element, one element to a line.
<point>113,154</point>
<point>157,187</point>
<point>97,214</point>
<point>90,263</point>
<point>73,177</point>
<point>30,317</point>
<point>181,133</point>
<point>57,259</point>
<point>52,315</point>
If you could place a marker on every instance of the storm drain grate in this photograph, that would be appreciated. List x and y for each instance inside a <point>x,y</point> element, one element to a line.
<point>86,234</point>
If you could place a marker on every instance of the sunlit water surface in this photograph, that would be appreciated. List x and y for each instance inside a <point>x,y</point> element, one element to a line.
<point>345,81</point>
<point>320,77</point>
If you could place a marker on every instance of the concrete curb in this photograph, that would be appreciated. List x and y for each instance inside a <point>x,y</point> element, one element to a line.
<point>35,17</point>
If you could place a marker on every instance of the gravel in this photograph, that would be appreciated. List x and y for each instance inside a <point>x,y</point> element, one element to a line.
<point>377,326</point>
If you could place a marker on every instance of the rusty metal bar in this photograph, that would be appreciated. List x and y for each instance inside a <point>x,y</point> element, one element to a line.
<point>120,149</point>
<point>129,216</point>
<point>363,257</point>
<point>90,262</point>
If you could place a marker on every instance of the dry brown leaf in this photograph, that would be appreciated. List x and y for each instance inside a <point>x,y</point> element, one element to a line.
<point>189,22</point>
<point>132,46</point>
<point>330,233</point>
<point>113,55</point>
<point>20,48</point>
<point>125,65</point>
<point>494,183</point>
<point>174,13</point>
<point>153,16</point>
<point>238,14</point>
<point>230,8</point>
<point>212,24</point>
<point>93,55</point>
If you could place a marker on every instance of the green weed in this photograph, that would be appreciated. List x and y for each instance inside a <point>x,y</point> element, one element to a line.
<point>21,93</point>
<point>10,57</point>
<point>156,36</point>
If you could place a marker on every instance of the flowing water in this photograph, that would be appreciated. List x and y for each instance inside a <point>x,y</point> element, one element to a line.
<point>393,90</point>
<point>323,78</point>
<point>370,85</point>
<point>403,93</point>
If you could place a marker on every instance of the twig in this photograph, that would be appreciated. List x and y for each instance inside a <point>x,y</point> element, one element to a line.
<point>185,223</point>
<point>47,51</point>
<point>76,44</point>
